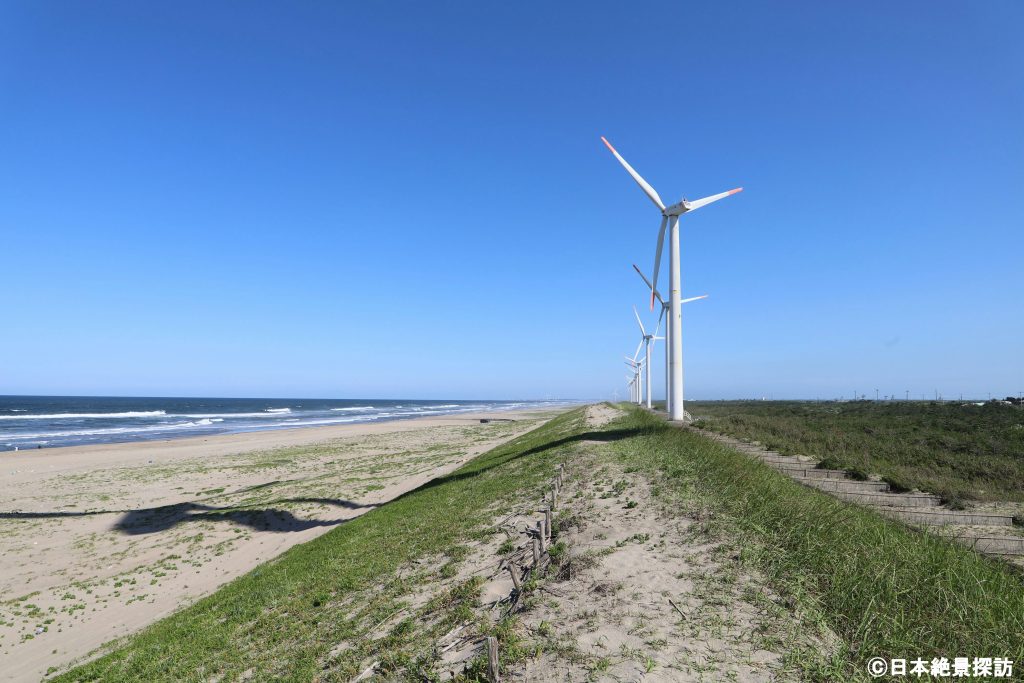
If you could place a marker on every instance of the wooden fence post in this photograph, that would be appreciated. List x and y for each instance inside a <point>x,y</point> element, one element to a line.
<point>492,659</point>
<point>514,571</point>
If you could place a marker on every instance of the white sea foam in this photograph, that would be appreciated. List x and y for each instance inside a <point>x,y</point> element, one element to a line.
<point>82,416</point>
<point>173,426</point>
<point>326,421</point>
<point>228,415</point>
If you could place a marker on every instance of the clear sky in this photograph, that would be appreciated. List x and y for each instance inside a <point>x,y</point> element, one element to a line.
<point>410,199</point>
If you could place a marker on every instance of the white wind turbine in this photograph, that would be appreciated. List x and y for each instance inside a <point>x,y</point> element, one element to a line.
<point>631,378</point>
<point>636,379</point>
<point>638,383</point>
<point>667,337</point>
<point>646,341</point>
<point>670,217</point>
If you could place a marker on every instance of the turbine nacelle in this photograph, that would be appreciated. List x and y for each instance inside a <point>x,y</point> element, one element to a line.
<point>677,209</point>
<point>669,214</point>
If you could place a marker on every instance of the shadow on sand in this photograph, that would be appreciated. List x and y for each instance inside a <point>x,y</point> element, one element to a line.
<point>152,520</point>
<point>605,436</point>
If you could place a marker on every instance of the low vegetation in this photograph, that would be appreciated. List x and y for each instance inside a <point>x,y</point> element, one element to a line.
<point>958,451</point>
<point>884,589</point>
<point>314,612</point>
<point>324,609</point>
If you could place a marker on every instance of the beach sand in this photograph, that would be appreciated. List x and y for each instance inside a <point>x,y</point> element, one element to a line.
<point>99,541</point>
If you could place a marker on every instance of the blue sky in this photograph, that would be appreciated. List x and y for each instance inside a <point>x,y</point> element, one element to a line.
<point>411,199</point>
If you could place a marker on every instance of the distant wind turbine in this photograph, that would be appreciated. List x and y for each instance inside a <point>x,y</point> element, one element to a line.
<point>632,378</point>
<point>637,366</point>
<point>646,341</point>
<point>667,337</point>
<point>670,217</point>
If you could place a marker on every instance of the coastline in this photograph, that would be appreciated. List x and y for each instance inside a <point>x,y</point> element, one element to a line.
<point>241,441</point>
<point>97,541</point>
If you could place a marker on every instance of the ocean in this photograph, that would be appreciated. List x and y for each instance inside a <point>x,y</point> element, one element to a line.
<point>28,422</point>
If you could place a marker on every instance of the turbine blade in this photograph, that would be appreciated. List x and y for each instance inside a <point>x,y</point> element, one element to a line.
<point>637,316</point>
<point>648,283</point>
<point>697,203</point>
<point>694,298</point>
<point>657,258</point>
<point>644,185</point>
<point>662,314</point>
<point>638,347</point>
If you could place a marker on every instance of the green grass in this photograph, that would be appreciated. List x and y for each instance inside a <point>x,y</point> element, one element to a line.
<point>885,589</point>
<point>281,621</point>
<point>953,450</point>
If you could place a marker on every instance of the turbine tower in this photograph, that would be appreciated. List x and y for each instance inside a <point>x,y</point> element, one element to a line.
<point>638,382</point>
<point>670,218</point>
<point>646,340</point>
<point>667,337</point>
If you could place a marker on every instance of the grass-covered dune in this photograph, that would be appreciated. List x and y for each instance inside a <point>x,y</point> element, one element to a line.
<point>310,614</point>
<point>954,450</point>
<point>313,613</point>
<point>884,588</point>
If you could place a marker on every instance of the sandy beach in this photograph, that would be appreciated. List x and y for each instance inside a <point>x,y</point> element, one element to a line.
<point>99,541</point>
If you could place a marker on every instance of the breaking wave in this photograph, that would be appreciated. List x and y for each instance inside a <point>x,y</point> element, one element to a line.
<point>85,416</point>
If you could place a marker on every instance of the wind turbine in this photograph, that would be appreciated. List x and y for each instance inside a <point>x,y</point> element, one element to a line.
<point>670,218</point>
<point>667,337</point>
<point>637,377</point>
<point>632,381</point>
<point>646,341</point>
<point>632,386</point>
<point>635,367</point>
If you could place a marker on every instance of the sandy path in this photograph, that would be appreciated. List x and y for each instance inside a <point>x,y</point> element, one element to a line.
<point>648,595</point>
<point>98,541</point>
<point>641,592</point>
